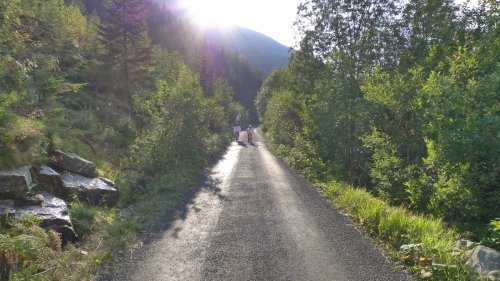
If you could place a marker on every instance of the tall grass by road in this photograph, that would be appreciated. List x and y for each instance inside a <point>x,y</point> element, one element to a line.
<point>422,243</point>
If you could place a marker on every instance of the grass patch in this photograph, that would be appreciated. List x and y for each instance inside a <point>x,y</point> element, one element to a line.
<point>424,244</point>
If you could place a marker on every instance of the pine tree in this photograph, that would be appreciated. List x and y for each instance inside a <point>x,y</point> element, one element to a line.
<point>124,33</point>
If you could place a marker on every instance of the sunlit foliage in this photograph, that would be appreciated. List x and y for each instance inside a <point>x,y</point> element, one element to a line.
<point>399,97</point>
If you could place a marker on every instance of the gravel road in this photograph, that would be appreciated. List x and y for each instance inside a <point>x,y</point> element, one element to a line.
<point>256,219</point>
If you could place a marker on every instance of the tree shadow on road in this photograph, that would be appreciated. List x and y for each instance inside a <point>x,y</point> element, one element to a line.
<point>176,205</point>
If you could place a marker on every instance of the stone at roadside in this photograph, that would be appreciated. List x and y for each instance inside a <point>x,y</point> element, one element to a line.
<point>467,244</point>
<point>494,275</point>
<point>49,180</point>
<point>15,183</point>
<point>485,261</point>
<point>93,191</point>
<point>73,163</point>
<point>54,215</point>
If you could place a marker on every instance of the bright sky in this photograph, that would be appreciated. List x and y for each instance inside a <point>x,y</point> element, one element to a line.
<point>273,18</point>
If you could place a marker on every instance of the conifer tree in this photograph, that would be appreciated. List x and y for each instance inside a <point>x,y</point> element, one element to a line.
<point>124,33</point>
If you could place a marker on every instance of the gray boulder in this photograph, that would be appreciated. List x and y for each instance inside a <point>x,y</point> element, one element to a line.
<point>93,191</point>
<point>107,181</point>
<point>49,180</point>
<point>494,275</point>
<point>486,261</point>
<point>15,183</point>
<point>51,210</point>
<point>73,163</point>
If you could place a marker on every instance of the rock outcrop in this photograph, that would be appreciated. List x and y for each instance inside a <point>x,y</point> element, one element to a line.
<point>484,260</point>
<point>75,176</point>
<point>66,184</point>
<point>51,210</point>
<point>15,183</point>
<point>69,176</point>
<point>94,191</point>
<point>49,180</point>
<point>74,163</point>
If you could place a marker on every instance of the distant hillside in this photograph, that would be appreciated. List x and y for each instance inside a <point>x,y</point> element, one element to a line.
<point>262,52</point>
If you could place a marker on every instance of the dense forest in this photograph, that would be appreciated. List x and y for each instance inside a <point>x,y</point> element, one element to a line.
<point>124,83</point>
<point>399,97</point>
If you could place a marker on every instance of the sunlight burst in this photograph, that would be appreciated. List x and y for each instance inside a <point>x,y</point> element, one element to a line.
<point>210,13</point>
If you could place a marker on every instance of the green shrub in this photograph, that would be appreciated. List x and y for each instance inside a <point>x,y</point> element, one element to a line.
<point>303,156</point>
<point>28,252</point>
<point>386,170</point>
<point>492,238</point>
<point>283,119</point>
<point>23,141</point>
<point>82,217</point>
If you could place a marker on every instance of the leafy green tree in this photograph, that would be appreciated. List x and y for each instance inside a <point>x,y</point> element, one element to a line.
<point>283,118</point>
<point>427,26</point>
<point>461,139</point>
<point>344,41</point>
<point>224,96</point>
<point>176,112</point>
<point>349,35</point>
<point>396,142</point>
<point>278,79</point>
<point>180,128</point>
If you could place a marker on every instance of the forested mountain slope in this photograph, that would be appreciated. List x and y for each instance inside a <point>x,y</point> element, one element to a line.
<point>262,53</point>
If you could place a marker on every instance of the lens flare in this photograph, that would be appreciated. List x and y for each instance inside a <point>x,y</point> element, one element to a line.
<point>210,13</point>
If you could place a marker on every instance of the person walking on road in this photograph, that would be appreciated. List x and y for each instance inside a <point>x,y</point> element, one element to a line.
<point>237,127</point>
<point>250,134</point>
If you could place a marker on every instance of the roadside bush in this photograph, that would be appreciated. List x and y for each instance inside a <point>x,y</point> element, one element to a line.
<point>283,119</point>
<point>175,113</point>
<point>386,171</point>
<point>180,130</point>
<point>29,252</point>
<point>493,237</point>
<point>303,156</point>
